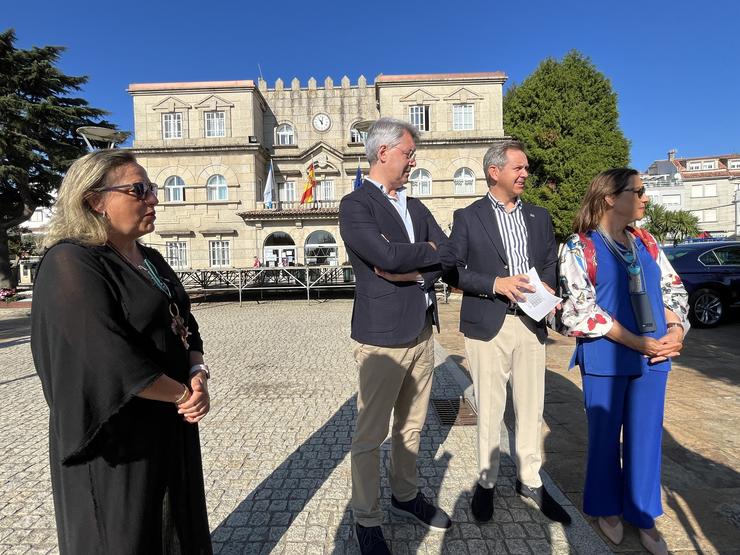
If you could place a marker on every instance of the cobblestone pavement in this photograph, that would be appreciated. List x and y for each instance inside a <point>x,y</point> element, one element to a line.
<point>276,444</point>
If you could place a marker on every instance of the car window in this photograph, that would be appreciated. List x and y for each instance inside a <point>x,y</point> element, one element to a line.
<point>708,259</point>
<point>676,253</point>
<point>728,255</point>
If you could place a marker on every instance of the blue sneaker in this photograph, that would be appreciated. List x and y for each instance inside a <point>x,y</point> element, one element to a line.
<point>423,512</point>
<point>370,540</point>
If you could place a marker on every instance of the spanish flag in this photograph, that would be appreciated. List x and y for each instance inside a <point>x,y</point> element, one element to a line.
<point>309,186</point>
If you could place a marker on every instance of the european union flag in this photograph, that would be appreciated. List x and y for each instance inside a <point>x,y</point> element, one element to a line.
<point>358,179</point>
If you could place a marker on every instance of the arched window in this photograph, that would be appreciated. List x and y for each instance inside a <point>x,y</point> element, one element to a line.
<point>174,189</point>
<point>321,249</point>
<point>284,134</point>
<point>216,187</point>
<point>357,136</point>
<point>464,181</point>
<point>421,183</point>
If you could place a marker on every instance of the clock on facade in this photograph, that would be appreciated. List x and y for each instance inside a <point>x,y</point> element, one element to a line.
<point>321,122</point>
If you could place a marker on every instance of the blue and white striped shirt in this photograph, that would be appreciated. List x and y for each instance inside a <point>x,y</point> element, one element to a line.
<point>513,233</point>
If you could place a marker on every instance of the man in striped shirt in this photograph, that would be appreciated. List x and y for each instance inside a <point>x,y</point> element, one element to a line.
<point>497,240</point>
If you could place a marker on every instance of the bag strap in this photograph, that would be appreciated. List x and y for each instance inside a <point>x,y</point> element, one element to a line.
<point>589,252</point>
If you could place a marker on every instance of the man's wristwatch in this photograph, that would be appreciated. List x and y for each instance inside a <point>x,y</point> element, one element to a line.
<point>195,368</point>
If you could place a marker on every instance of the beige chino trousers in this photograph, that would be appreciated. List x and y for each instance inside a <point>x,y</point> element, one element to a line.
<point>513,354</point>
<point>397,379</point>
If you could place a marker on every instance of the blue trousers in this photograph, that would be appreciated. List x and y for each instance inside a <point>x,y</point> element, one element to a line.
<point>630,487</point>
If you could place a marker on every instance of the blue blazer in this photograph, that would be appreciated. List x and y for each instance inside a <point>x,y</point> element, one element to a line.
<point>387,313</point>
<point>481,257</point>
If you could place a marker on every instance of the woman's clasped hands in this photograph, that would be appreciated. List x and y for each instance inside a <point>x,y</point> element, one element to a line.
<point>663,348</point>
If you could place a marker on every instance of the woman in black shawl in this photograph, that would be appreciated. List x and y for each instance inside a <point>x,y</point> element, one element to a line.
<point>121,364</point>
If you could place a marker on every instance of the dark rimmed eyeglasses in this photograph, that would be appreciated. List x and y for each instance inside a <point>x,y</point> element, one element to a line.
<point>639,192</point>
<point>140,189</point>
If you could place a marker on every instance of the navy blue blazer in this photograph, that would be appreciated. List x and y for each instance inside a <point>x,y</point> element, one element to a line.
<point>481,257</point>
<point>387,313</point>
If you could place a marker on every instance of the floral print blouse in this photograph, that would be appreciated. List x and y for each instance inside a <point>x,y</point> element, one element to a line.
<point>582,317</point>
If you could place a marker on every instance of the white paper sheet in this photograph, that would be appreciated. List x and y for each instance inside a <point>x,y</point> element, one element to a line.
<point>539,303</point>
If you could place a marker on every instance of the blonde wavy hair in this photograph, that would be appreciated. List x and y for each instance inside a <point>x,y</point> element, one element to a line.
<point>73,217</point>
<point>609,182</point>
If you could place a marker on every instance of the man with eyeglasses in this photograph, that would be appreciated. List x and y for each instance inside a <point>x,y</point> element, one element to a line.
<point>498,238</point>
<point>395,248</point>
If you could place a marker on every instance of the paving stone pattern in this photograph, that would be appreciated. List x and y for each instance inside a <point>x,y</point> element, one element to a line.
<point>276,446</point>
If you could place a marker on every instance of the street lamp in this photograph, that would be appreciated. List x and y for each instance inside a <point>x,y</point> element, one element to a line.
<point>93,133</point>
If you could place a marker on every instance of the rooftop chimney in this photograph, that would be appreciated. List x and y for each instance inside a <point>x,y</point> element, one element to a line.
<point>672,155</point>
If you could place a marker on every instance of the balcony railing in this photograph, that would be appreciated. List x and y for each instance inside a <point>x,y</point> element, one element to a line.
<point>296,205</point>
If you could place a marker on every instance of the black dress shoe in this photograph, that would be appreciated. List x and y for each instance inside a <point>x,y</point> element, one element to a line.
<point>549,507</point>
<point>423,512</point>
<point>482,504</point>
<point>371,541</point>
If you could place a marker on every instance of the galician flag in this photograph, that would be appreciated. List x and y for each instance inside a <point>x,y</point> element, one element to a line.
<point>269,187</point>
<point>309,186</point>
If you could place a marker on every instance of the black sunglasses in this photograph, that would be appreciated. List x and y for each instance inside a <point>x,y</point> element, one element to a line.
<point>140,190</point>
<point>639,192</point>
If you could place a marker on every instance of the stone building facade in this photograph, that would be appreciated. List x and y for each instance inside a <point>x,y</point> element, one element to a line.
<point>209,145</point>
<point>707,186</point>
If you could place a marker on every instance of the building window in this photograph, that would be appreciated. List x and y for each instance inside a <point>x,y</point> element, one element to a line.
<point>325,190</point>
<point>286,191</point>
<point>421,183</point>
<point>709,165</point>
<point>693,166</point>
<point>172,125</point>
<point>174,189</point>
<point>706,216</point>
<point>37,216</point>
<point>705,190</point>
<point>734,164</point>
<point>464,181</point>
<point>215,124</point>
<point>285,135</point>
<point>419,117</point>
<point>216,187</point>
<point>357,136</point>
<point>672,200</point>
<point>176,254</point>
<point>462,117</point>
<point>219,254</point>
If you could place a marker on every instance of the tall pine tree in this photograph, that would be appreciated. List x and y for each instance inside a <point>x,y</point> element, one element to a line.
<point>566,114</point>
<point>38,119</point>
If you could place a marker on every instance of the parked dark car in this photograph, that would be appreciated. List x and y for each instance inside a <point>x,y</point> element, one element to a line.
<point>710,271</point>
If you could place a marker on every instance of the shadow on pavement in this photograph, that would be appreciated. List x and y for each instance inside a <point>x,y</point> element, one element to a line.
<point>15,331</point>
<point>264,516</point>
<point>398,530</point>
<point>714,351</point>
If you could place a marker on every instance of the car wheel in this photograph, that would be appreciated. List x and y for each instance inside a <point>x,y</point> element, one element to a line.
<point>707,308</point>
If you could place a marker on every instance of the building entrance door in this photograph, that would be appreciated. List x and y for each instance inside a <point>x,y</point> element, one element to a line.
<point>279,256</point>
<point>279,250</point>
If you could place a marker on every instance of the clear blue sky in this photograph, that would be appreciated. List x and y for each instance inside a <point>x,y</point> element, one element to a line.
<point>674,65</point>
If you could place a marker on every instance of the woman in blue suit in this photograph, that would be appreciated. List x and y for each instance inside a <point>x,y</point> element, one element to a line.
<point>627,308</point>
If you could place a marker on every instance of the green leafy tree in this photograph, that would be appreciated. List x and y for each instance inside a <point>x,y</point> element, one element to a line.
<point>566,114</point>
<point>22,243</point>
<point>684,224</point>
<point>664,224</point>
<point>657,221</point>
<point>38,119</point>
